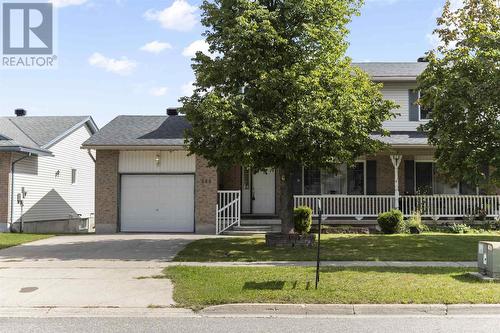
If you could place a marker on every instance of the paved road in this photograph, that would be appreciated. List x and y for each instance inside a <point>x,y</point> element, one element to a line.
<point>382,324</point>
<point>89,271</point>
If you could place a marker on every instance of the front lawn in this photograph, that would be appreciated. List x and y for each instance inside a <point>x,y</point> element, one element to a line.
<point>198,287</point>
<point>8,240</point>
<point>423,247</point>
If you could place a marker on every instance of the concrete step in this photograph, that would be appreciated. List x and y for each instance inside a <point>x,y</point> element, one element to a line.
<point>246,221</point>
<point>252,228</point>
<point>244,233</point>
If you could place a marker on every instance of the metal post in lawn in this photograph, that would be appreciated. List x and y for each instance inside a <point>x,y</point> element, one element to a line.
<point>319,241</point>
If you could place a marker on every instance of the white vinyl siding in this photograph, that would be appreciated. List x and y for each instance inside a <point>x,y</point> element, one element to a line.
<point>47,180</point>
<point>176,161</point>
<point>399,93</point>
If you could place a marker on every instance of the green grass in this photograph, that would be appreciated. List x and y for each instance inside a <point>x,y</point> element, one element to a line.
<point>423,247</point>
<point>8,240</point>
<point>198,287</point>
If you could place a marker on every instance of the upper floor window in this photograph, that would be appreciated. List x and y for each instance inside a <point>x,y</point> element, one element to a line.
<point>73,176</point>
<point>423,113</point>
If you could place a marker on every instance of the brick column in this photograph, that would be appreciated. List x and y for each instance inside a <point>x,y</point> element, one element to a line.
<point>106,191</point>
<point>205,196</point>
<point>5,166</point>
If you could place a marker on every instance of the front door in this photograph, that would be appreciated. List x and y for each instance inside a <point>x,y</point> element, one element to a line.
<point>258,192</point>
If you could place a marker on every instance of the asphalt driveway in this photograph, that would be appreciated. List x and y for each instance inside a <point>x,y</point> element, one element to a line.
<point>89,271</point>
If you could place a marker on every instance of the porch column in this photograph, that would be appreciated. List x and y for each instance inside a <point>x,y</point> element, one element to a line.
<point>396,161</point>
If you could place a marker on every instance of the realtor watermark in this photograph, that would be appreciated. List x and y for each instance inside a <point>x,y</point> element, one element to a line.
<point>27,32</point>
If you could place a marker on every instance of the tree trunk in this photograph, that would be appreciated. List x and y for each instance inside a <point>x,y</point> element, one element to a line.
<point>285,211</point>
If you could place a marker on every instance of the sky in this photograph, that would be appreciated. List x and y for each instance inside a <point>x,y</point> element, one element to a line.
<point>118,57</point>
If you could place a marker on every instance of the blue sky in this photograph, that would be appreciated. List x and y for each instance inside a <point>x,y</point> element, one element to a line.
<point>133,56</point>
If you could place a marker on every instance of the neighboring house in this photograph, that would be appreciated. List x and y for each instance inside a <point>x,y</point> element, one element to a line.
<point>146,181</point>
<point>42,163</point>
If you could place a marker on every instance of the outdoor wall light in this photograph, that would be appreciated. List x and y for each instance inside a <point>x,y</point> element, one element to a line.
<point>157,159</point>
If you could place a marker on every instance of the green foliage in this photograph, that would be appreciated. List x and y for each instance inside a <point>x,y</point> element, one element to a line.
<point>461,86</point>
<point>413,225</point>
<point>302,219</point>
<point>278,90</point>
<point>459,228</point>
<point>390,222</point>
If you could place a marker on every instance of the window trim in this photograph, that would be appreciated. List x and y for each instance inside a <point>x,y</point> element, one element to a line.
<point>420,110</point>
<point>74,172</point>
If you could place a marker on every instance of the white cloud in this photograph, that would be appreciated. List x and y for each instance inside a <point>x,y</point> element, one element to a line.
<point>121,66</point>
<point>385,2</point>
<point>197,45</point>
<point>187,89</point>
<point>158,91</point>
<point>156,47</point>
<point>179,16</point>
<point>65,3</point>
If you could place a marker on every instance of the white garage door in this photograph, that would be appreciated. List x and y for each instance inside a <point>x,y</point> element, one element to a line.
<point>157,203</point>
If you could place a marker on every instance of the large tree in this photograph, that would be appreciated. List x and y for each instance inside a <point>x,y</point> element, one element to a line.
<point>461,85</point>
<point>278,90</point>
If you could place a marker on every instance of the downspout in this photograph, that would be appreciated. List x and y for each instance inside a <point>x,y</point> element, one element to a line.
<point>91,156</point>
<point>12,170</point>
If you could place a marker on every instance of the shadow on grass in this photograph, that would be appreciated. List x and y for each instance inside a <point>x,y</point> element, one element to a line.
<point>467,278</point>
<point>266,285</point>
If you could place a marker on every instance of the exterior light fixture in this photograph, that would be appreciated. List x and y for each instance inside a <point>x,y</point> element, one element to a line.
<point>157,159</point>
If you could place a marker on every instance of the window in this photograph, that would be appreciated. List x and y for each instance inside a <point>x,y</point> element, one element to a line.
<point>344,181</point>
<point>428,181</point>
<point>73,176</point>
<point>423,113</point>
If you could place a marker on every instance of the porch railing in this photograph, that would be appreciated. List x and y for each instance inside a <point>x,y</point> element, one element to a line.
<point>357,206</point>
<point>227,210</point>
<point>435,206</point>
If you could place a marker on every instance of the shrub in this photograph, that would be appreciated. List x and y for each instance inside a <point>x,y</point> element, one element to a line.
<point>302,219</point>
<point>414,223</point>
<point>390,222</point>
<point>459,228</point>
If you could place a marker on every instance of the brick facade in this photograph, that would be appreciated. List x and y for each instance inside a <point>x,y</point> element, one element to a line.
<point>5,165</point>
<point>230,180</point>
<point>205,196</point>
<point>106,191</point>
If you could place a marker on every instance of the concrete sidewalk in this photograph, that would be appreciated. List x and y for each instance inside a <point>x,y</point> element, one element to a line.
<point>469,264</point>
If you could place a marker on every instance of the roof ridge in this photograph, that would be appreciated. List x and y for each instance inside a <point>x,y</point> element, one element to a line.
<point>22,131</point>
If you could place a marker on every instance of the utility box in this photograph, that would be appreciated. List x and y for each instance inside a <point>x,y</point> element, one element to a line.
<point>488,259</point>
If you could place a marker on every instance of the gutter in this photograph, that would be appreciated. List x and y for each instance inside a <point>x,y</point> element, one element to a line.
<point>12,170</point>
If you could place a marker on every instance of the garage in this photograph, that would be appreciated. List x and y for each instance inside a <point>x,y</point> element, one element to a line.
<point>157,203</point>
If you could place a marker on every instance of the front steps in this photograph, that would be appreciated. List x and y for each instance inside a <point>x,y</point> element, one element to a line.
<point>254,226</point>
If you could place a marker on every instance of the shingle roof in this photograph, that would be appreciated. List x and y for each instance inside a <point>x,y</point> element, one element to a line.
<point>403,138</point>
<point>36,134</point>
<point>388,70</point>
<point>141,131</point>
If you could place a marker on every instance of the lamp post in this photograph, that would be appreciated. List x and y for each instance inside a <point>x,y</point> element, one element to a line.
<point>320,217</point>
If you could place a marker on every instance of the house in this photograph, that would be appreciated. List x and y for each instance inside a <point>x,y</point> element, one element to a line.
<point>46,180</point>
<point>146,181</point>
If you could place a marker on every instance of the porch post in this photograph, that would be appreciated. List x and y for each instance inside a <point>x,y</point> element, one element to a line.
<point>396,161</point>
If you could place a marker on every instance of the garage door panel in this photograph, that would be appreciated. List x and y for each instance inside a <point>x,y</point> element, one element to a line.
<point>157,203</point>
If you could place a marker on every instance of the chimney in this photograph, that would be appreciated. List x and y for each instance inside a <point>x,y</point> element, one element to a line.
<point>20,112</point>
<point>172,111</point>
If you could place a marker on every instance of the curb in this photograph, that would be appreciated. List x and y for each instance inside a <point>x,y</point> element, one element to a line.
<point>97,312</point>
<point>350,309</point>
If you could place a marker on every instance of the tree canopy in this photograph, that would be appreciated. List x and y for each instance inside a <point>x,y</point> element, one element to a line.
<point>278,90</point>
<point>461,85</point>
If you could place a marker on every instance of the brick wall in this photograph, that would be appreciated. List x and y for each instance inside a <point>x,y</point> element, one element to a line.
<point>385,175</point>
<point>230,180</point>
<point>205,197</point>
<point>106,191</point>
<point>5,165</point>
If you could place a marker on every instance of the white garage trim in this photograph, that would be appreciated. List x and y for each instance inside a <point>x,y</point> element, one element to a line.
<point>162,202</point>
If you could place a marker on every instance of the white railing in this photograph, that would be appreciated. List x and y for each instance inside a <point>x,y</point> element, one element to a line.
<point>435,206</point>
<point>227,210</point>
<point>347,205</point>
<point>451,205</point>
